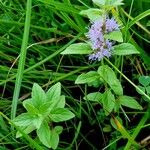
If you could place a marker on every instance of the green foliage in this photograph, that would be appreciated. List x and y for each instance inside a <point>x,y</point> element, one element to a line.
<point>129,102</point>
<point>107,3</point>
<point>144,80</point>
<point>115,35</point>
<point>79,48</point>
<point>55,26</point>
<point>92,13</point>
<point>87,77</point>
<point>95,97</point>
<point>108,75</point>
<point>144,86</point>
<point>108,101</point>
<point>43,109</point>
<point>124,49</point>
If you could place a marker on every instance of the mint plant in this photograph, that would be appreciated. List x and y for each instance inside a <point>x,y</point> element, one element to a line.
<point>42,110</point>
<point>104,40</point>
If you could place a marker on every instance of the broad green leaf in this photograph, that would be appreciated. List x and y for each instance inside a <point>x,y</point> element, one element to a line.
<point>61,102</point>
<point>129,102</point>
<point>58,129</point>
<point>115,35</point>
<point>78,48</point>
<point>54,138</point>
<point>141,88</point>
<point>87,77</point>
<point>24,119</point>
<point>99,2</point>
<point>38,121</point>
<point>108,101</point>
<point>45,108</point>
<point>107,128</point>
<point>38,95</point>
<point>44,134</point>
<point>54,92</point>
<point>108,3</point>
<point>113,3</point>
<point>95,97</point>
<point>61,114</point>
<point>92,13</point>
<point>28,105</point>
<point>26,130</point>
<point>148,89</point>
<point>124,49</point>
<point>108,75</point>
<point>144,80</point>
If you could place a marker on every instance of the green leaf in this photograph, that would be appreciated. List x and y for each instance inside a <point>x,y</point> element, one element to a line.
<point>78,48</point>
<point>142,88</point>
<point>61,114</point>
<point>87,77</point>
<point>45,108</point>
<point>113,3</point>
<point>44,134</point>
<point>38,95</point>
<point>57,103</point>
<point>54,138</point>
<point>144,80</point>
<point>148,89</point>
<point>61,102</point>
<point>124,49</point>
<point>28,105</point>
<point>108,101</point>
<point>115,35</point>
<point>108,3</point>
<point>26,119</point>
<point>58,129</point>
<point>99,2</point>
<point>129,102</point>
<point>26,130</point>
<point>107,128</point>
<point>54,92</point>
<point>95,97</point>
<point>92,13</point>
<point>108,75</point>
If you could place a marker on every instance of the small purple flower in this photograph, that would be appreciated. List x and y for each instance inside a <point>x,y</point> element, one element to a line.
<point>111,25</point>
<point>101,46</point>
<point>109,44</point>
<point>100,54</point>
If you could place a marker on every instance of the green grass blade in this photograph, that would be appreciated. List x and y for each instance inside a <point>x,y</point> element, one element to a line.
<point>21,60</point>
<point>138,128</point>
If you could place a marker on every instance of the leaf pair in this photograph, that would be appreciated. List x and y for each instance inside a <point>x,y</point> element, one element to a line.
<point>85,48</point>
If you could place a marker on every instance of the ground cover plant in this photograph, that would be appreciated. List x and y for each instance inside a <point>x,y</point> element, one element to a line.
<point>74,74</point>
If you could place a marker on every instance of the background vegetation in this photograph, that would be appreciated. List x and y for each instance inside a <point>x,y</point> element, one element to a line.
<point>54,25</point>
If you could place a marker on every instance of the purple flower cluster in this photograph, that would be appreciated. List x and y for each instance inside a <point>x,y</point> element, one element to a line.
<point>101,46</point>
